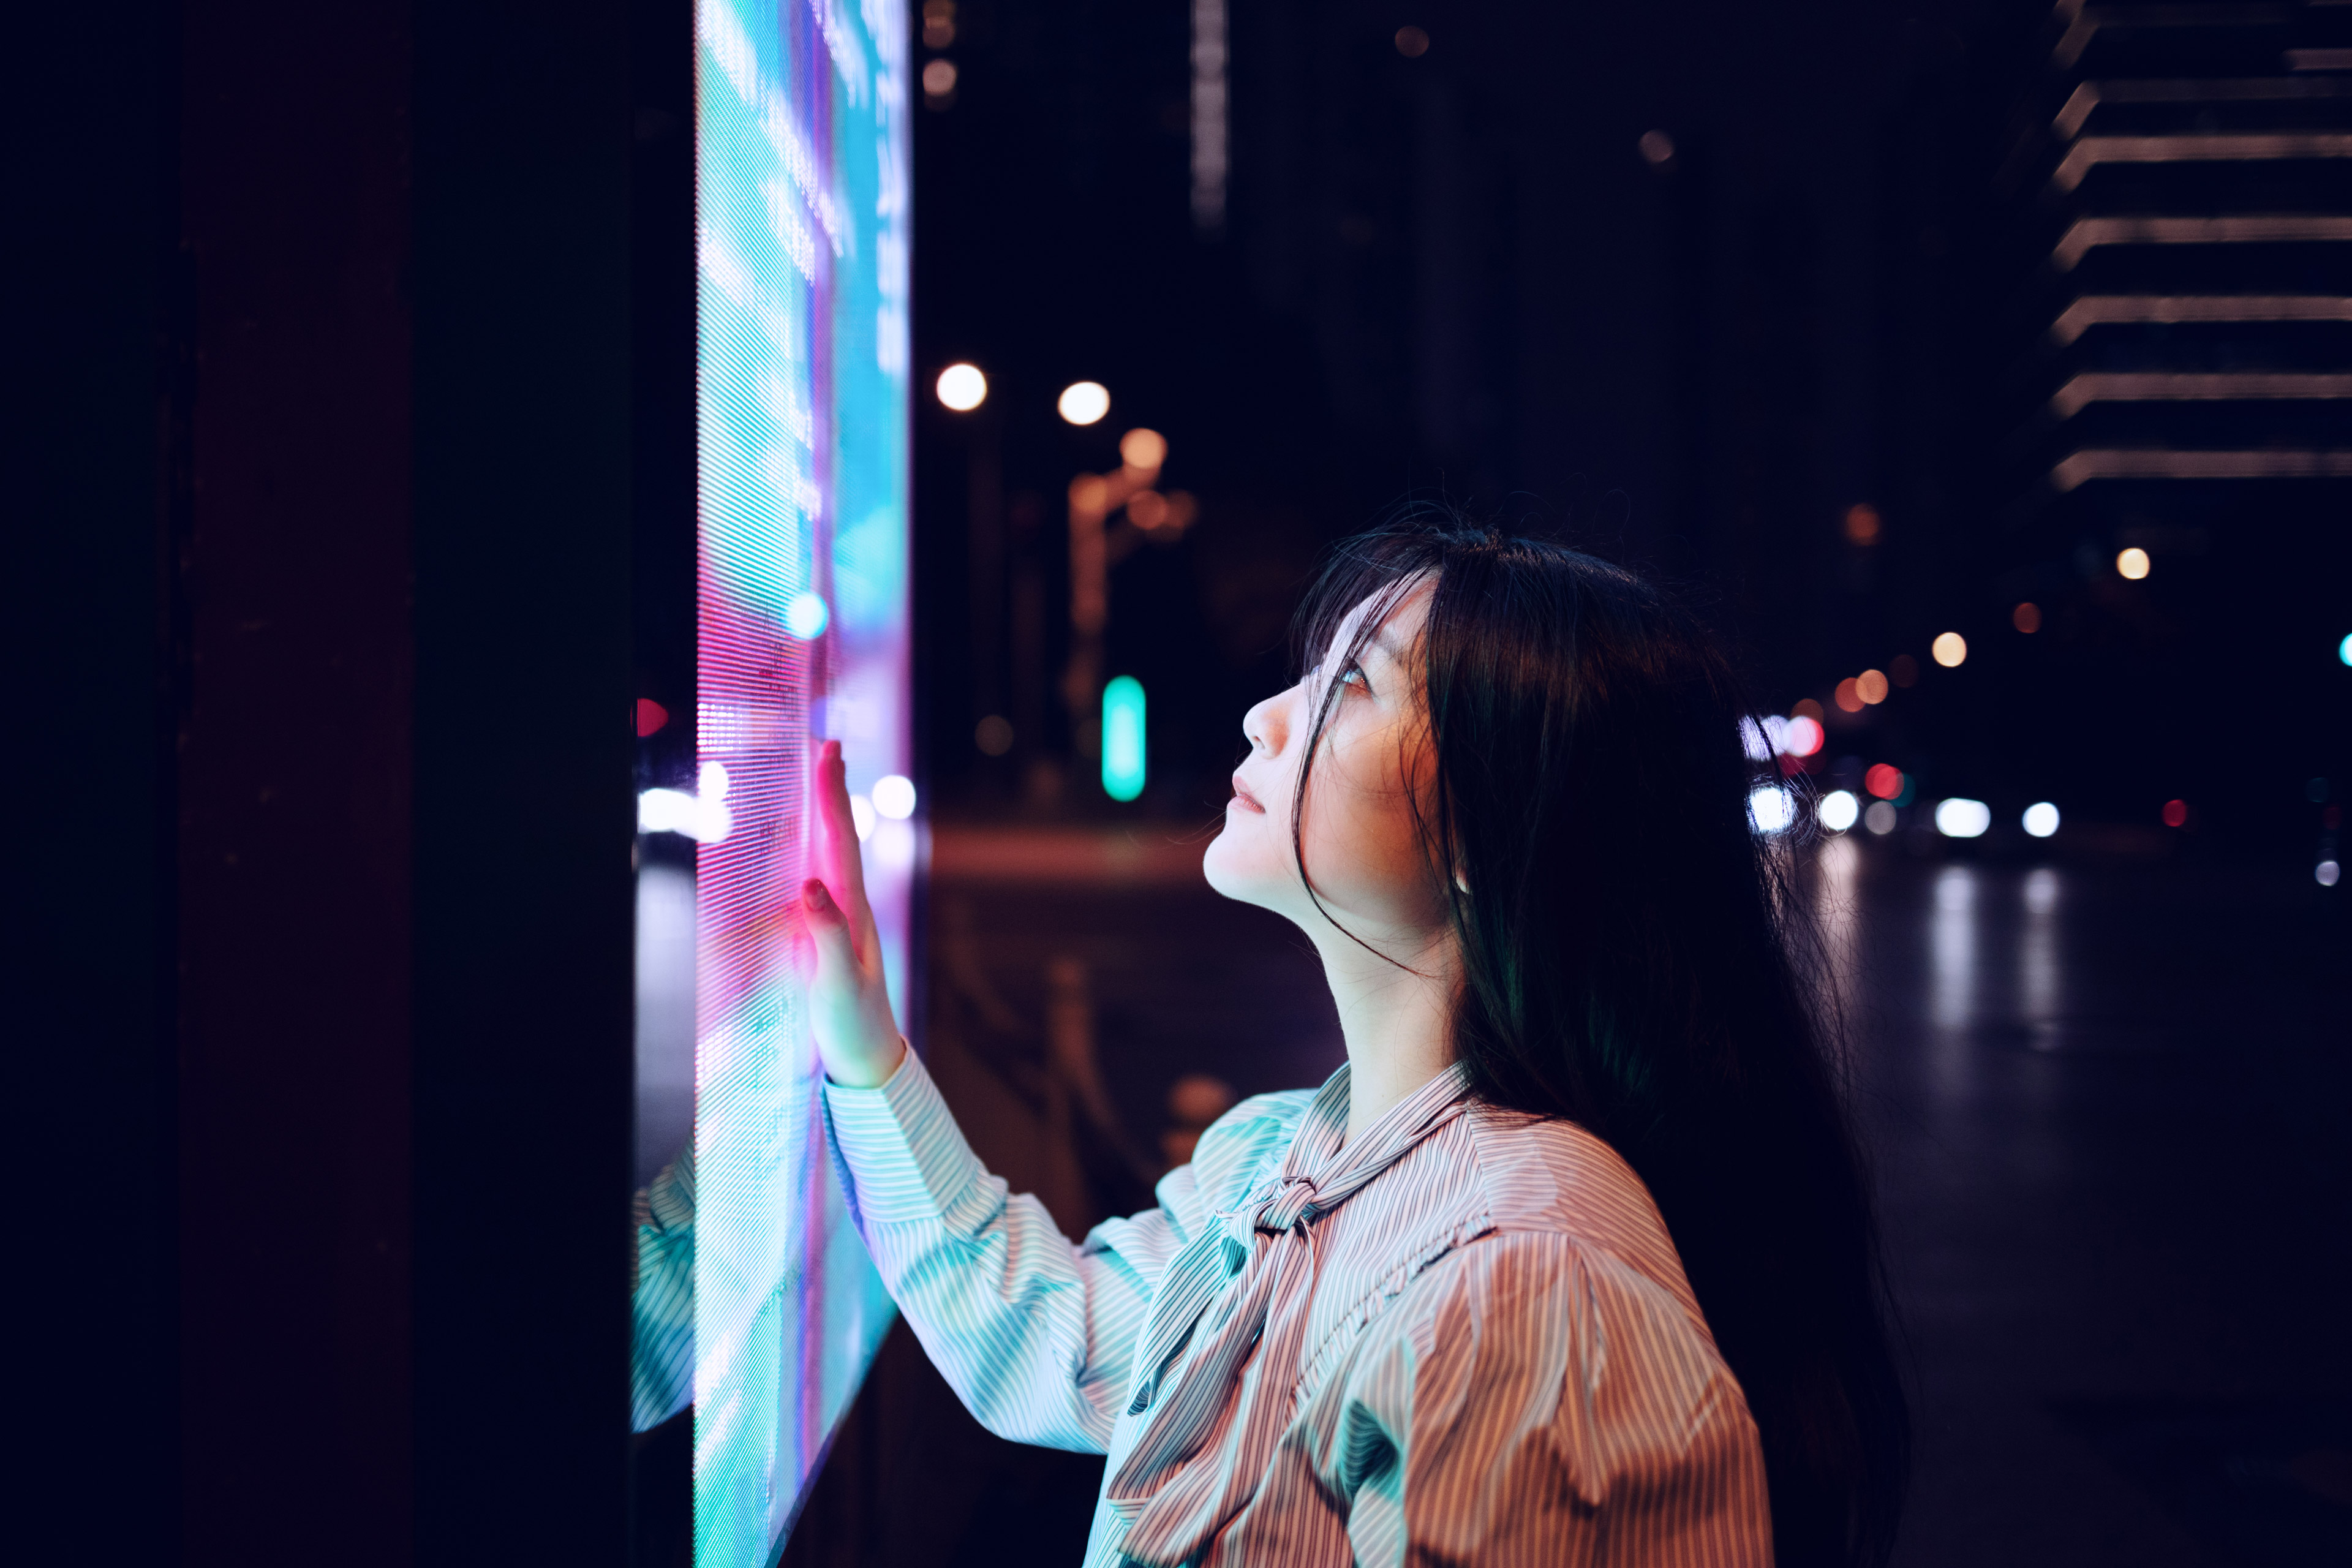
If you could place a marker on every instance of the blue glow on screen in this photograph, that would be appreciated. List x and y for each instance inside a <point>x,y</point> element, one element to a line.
<point>802,193</point>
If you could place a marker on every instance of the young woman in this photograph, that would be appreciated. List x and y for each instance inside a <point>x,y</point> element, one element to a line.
<point>1573,1260</point>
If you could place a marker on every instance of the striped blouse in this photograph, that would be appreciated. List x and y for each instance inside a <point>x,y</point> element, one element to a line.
<point>1464,1337</point>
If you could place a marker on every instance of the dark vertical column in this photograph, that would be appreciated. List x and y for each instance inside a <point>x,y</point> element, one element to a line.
<point>85,908</point>
<point>524,809</point>
<point>292,564</point>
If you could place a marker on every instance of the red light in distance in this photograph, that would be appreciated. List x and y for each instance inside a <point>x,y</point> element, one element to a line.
<point>1884,780</point>
<point>651,717</point>
<point>2176,814</point>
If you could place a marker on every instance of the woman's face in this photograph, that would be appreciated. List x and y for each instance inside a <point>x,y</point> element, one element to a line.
<point>1362,850</point>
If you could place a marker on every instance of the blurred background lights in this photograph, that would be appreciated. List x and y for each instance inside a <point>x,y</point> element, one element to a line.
<point>1123,738</point>
<point>651,717</point>
<point>1848,695</point>
<point>1139,449</point>
<point>939,24</point>
<point>861,816</point>
<point>1958,819</point>
<point>1871,686</point>
<point>805,616</point>
<point>1411,43</point>
<point>1083,402</point>
<point>1839,810</point>
<point>894,796</point>
<point>962,388</point>
<point>1861,523</point>
<point>1880,817</point>
<point>1884,780</point>
<point>939,78</point>
<point>2041,819</point>
<point>1657,148</point>
<point>2176,814</point>
<point>2132,563</point>
<point>1802,737</point>
<point>993,735</point>
<point>2344,651</point>
<point>1771,808</point>
<point>2026,617</point>
<point>2326,873</point>
<point>1949,650</point>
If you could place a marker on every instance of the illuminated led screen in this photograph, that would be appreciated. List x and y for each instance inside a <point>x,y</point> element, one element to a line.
<point>802,195</point>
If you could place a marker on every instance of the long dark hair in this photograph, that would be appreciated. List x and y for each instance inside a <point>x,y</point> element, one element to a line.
<point>1633,961</point>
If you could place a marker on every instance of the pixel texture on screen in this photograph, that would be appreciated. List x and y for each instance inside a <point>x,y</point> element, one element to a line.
<point>801,209</point>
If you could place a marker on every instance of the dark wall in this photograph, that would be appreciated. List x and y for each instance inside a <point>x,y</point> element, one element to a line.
<point>317,570</point>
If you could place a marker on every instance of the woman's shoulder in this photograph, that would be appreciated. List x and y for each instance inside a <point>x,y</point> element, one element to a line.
<point>1546,1175</point>
<point>1240,1146</point>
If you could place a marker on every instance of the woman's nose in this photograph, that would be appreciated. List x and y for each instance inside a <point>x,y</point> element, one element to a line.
<point>1264,726</point>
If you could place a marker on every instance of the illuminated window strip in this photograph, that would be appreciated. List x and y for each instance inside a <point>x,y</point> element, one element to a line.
<point>2221,147</point>
<point>2217,387</point>
<point>1210,158</point>
<point>2106,310</point>
<point>2164,463</point>
<point>2284,228</point>
<point>2084,22</point>
<point>2087,96</point>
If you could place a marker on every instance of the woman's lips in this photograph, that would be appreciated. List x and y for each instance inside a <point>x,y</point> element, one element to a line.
<point>1242,795</point>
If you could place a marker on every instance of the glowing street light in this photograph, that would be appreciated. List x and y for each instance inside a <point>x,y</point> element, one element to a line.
<point>1122,738</point>
<point>962,388</point>
<point>1083,402</point>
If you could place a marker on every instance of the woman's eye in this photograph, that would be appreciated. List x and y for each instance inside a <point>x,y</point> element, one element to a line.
<point>1354,676</point>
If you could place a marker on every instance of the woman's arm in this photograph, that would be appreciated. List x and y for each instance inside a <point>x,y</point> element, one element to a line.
<point>1036,1335</point>
<point>1538,1402</point>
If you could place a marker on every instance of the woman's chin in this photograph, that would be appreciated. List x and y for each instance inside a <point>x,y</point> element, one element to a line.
<point>1222,866</point>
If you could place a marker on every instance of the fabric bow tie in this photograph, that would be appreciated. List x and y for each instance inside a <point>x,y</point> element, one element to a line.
<point>1198,1460</point>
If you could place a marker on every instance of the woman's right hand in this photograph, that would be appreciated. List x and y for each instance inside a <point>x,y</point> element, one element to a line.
<point>849,999</point>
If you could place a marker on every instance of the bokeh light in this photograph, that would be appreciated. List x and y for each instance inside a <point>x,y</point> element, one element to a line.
<point>1961,818</point>
<point>1880,817</point>
<point>2326,873</point>
<point>806,616</point>
<point>1657,148</point>
<point>1411,42</point>
<point>1123,738</point>
<point>1802,737</point>
<point>2132,563</point>
<point>1139,449</point>
<point>2026,617</point>
<point>2041,819</point>
<point>939,78</point>
<point>1884,780</point>
<point>651,717</point>
<point>1949,650</point>
<point>1771,808</point>
<point>894,796</point>
<point>1840,810</point>
<point>962,388</point>
<point>2344,651</point>
<point>1848,695</point>
<point>1083,402</point>
<point>2176,814</point>
<point>993,735</point>
<point>1861,523</point>
<point>1871,686</point>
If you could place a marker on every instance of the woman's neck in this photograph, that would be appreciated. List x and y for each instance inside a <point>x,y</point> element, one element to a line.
<point>1397,1021</point>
